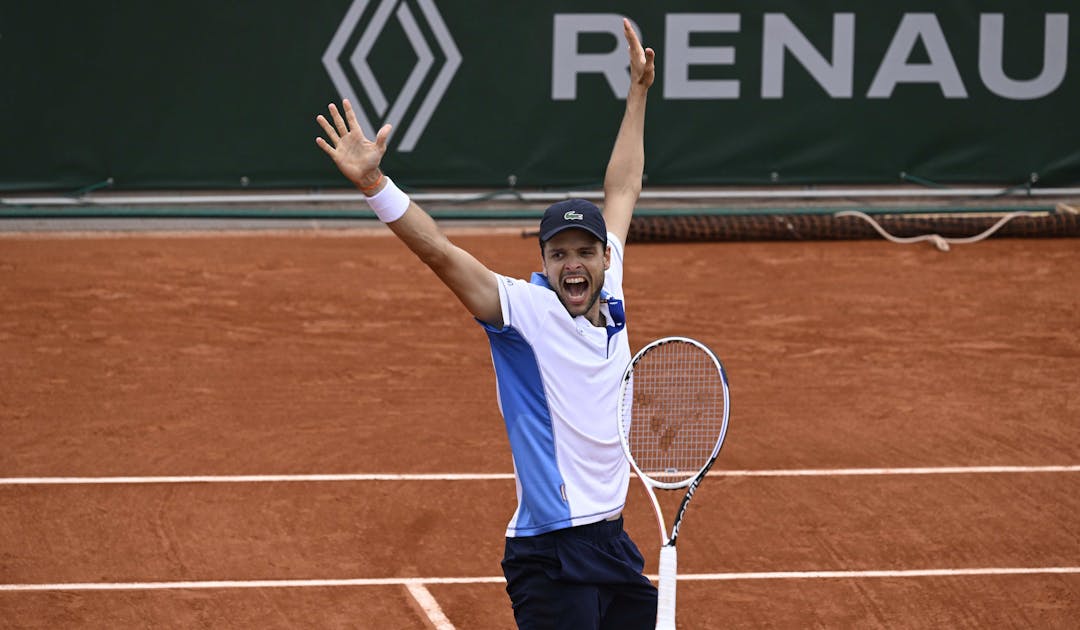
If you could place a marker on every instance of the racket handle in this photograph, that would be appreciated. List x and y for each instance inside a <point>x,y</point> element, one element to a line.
<point>665,604</point>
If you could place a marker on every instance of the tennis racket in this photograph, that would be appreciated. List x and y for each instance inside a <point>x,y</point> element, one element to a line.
<point>673,415</point>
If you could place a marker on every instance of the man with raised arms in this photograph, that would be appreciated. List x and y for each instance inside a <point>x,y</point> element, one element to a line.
<point>559,347</point>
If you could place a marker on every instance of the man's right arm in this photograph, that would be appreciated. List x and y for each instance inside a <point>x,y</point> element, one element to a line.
<point>358,159</point>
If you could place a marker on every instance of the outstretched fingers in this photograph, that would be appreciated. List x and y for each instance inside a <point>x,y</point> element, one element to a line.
<point>381,137</point>
<point>631,36</point>
<point>331,133</point>
<point>325,146</point>
<point>340,128</point>
<point>350,115</point>
<point>339,122</point>
<point>642,68</point>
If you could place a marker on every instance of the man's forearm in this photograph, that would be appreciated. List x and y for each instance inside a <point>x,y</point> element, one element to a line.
<point>627,162</point>
<point>419,232</point>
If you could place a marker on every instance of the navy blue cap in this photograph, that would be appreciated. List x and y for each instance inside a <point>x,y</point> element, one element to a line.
<point>573,213</point>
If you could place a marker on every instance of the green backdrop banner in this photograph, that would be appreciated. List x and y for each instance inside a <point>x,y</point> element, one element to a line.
<point>199,94</point>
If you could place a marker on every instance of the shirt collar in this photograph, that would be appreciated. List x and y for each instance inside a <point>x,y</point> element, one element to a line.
<point>616,315</point>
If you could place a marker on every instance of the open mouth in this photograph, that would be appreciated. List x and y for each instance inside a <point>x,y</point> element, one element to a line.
<point>576,289</point>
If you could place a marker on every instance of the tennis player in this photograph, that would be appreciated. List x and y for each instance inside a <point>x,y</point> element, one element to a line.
<point>559,347</point>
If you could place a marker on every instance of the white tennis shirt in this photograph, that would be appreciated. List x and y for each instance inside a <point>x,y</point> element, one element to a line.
<point>558,388</point>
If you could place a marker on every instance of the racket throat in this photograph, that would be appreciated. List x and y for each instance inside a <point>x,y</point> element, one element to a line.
<point>651,493</point>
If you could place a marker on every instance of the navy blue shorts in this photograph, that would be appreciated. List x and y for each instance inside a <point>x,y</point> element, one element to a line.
<point>582,578</point>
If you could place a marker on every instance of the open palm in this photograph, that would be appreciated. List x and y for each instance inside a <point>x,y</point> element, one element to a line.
<point>356,157</point>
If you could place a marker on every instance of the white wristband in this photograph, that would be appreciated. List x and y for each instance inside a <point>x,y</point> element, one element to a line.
<point>390,203</point>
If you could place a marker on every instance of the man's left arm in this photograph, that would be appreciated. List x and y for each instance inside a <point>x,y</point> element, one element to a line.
<point>622,180</point>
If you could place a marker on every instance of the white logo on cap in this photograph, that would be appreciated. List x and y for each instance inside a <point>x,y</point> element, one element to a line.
<point>572,216</point>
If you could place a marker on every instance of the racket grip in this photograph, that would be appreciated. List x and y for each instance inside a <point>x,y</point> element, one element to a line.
<point>665,603</point>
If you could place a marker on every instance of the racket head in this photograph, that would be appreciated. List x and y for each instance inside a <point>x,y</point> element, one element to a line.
<point>673,411</point>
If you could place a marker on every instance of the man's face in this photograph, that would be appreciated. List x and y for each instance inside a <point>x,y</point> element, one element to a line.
<point>574,262</point>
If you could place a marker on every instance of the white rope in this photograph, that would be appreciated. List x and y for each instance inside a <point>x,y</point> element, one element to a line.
<point>938,240</point>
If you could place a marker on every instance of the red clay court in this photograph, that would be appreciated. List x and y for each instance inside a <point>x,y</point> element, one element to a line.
<point>300,430</point>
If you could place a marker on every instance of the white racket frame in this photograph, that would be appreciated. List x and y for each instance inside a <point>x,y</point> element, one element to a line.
<point>665,613</point>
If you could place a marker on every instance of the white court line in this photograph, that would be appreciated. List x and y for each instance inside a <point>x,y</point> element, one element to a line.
<point>942,470</point>
<point>809,472</point>
<point>430,607</point>
<point>909,573</point>
<point>228,584</point>
<point>26,481</point>
<point>407,582</point>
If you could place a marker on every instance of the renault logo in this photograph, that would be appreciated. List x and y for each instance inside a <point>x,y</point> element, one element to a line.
<point>370,23</point>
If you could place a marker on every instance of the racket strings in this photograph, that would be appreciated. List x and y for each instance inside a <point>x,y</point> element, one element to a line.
<point>674,404</point>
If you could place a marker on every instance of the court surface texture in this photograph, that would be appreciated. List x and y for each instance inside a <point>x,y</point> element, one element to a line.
<point>284,430</point>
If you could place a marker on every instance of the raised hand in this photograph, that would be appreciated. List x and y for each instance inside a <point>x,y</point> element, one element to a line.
<point>356,157</point>
<point>642,66</point>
